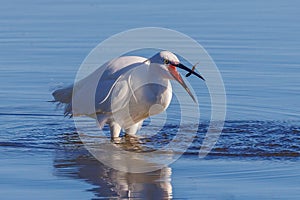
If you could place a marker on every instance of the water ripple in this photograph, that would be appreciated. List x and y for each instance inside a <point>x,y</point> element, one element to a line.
<point>266,139</point>
<point>239,139</point>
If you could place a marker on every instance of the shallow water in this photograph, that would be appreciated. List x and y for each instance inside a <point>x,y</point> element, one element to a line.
<point>256,48</point>
<point>44,157</point>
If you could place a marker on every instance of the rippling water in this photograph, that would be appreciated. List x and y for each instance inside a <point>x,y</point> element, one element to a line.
<point>252,153</point>
<point>256,48</point>
<point>239,139</point>
<point>257,139</point>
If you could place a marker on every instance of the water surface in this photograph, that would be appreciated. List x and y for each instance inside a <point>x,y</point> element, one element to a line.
<point>256,48</point>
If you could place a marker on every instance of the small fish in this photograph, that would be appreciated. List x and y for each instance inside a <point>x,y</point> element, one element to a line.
<point>193,69</point>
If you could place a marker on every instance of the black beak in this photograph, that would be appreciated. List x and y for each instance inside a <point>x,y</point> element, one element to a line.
<point>181,66</point>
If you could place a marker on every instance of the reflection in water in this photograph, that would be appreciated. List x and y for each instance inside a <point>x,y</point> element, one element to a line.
<point>241,140</point>
<point>74,161</point>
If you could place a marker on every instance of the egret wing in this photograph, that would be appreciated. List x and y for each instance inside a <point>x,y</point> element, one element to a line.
<point>122,90</point>
<point>105,87</point>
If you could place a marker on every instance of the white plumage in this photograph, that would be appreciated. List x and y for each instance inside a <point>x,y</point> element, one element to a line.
<point>130,89</point>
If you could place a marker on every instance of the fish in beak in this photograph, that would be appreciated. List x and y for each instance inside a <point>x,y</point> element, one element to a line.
<point>173,71</point>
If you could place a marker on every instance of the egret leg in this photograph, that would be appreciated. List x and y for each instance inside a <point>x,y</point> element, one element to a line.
<point>132,130</point>
<point>130,136</point>
<point>115,130</point>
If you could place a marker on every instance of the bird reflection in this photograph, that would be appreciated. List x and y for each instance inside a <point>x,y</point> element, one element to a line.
<point>73,160</point>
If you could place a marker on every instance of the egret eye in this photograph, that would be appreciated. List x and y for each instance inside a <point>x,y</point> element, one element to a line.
<point>166,61</point>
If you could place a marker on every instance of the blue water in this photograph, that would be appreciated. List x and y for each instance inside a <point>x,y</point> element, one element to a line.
<point>256,46</point>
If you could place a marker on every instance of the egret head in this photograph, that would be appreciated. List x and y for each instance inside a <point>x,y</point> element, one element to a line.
<point>169,63</point>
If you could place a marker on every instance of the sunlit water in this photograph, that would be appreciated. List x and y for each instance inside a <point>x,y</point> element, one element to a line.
<point>256,48</point>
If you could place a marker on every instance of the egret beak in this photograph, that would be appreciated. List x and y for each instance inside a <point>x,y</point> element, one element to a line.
<point>191,71</point>
<point>177,76</point>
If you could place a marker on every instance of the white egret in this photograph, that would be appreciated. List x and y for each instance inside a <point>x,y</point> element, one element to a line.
<point>129,90</point>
